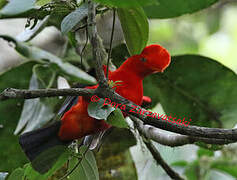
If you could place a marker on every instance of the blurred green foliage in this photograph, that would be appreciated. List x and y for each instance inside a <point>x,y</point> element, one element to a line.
<point>211,32</point>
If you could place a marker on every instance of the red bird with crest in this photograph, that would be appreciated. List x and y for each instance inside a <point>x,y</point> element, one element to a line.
<point>76,123</point>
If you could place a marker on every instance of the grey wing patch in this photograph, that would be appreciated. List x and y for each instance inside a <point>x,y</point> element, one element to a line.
<point>68,103</point>
<point>93,140</point>
<point>96,140</point>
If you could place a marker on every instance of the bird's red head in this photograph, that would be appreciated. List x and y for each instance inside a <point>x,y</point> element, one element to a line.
<point>155,57</point>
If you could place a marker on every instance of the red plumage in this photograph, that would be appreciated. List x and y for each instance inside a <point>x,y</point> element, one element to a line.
<point>76,122</point>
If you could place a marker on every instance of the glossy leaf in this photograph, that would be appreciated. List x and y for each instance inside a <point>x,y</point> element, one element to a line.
<point>174,8</point>
<point>17,7</point>
<point>116,119</point>
<point>135,28</point>
<point>114,154</point>
<point>98,111</point>
<point>87,169</point>
<point>200,89</point>
<point>126,141</point>
<point>72,19</point>
<point>37,54</point>
<point>62,9</point>
<point>28,33</point>
<point>35,113</point>
<point>126,3</point>
<point>10,111</point>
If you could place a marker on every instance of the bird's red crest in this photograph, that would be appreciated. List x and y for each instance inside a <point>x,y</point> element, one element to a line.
<point>157,57</point>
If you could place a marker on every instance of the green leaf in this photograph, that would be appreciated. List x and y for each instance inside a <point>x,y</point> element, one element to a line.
<point>206,152</point>
<point>33,53</point>
<point>114,154</point>
<point>72,19</point>
<point>192,171</point>
<point>174,8</point>
<point>72,38</point>
<point>116,119</point>
<point>225,166</point>
<point>35,113</point>
<point>16,174</point>
<point>87,169</point>
<point>45,75</point>
<point>112,144</point>
<point>110,157</point>
<point>198,88</point>
<point>55,157</point>
<point>213,21</point>
<point>10,111</point>
<point>126,3</point>
<point>60,10</point>
<point>3,3</point>
<point>27,34</point>
<point>99,111</point>
<point>42,2</point>
<point>179,163</point>
<point>135,28</point>
<point>119,53</point>
<point>16,7</point>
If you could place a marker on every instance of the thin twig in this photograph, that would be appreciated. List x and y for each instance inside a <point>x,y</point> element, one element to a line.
<point>81,27</point>
<point>78,163</point>
<point>110,45</point>
<point>84,47</point>
<point>157,156</point>
<point>160,161</point>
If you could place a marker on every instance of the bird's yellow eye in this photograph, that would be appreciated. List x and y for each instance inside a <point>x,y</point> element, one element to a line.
<point>143,59</point>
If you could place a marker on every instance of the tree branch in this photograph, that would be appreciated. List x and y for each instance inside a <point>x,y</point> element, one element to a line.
<point>157,156</point>
<point>216,133</point>
<point>95,42</point>
<point>160,137</point>
<point>159,160</point>
<point>11,93</point>
<point>227,135</point>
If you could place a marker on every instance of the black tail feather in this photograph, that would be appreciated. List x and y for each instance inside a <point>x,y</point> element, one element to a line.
<point>38,141</point>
